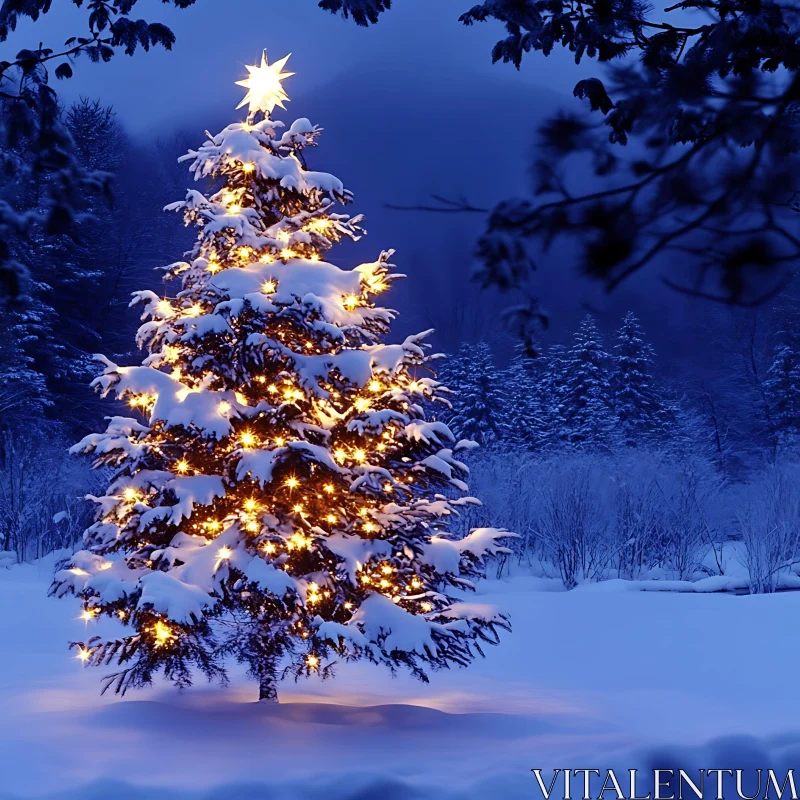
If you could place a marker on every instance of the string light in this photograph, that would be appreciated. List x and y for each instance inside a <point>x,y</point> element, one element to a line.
<point>350,302</point>
<point>84,654</point>
<point>182,466</point>
<point>312,661</point>
<point>292,483</point>
<point>162,633</point>
<point>269,286</point>
<point>248,166</point>
<point>130,494</point>
<point>224,407</point>
<point>247,439</point>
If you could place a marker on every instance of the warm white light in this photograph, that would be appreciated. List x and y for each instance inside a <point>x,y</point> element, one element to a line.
<point>264,85</point>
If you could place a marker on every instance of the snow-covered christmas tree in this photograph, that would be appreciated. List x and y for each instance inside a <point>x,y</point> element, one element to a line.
<point>279,497</point>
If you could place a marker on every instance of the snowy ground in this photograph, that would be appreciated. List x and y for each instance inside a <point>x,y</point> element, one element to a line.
<point>598,677</point>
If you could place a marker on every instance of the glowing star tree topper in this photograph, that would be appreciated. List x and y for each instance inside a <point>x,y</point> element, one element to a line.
<point>264,86</point>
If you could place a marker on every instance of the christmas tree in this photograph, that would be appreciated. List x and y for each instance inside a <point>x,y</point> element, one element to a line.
<point>280,477</point>
<point>587,399</point>
<point>477,395</point>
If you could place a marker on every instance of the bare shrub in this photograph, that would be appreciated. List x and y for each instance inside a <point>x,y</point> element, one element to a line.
<point>769,520</point>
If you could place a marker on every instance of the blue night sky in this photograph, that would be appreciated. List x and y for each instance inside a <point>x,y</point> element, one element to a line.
<point>215,39</point>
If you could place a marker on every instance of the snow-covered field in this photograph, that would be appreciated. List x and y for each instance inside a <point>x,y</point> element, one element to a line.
<point>598,677</point>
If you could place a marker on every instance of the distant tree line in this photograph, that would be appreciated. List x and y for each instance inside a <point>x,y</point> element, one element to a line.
<point>592,398</point>
<point>75,304</point>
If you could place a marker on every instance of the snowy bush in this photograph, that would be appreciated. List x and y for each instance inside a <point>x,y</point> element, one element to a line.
<point>590,517</point>
<point>505,482</point>
<point>573,520</point>
<point>769,521</point>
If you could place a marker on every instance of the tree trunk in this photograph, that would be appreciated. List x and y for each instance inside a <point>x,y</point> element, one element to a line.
<point>268,691</point>
<point>268,683</point>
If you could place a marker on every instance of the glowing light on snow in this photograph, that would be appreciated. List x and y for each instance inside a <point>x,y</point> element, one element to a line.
<point>269,286</point>
<point>224,553</point>
<point>350,302</point>
<point>264,85</point>
<point>313,662</point>
<point>182,466</point>
<point>83,654</point>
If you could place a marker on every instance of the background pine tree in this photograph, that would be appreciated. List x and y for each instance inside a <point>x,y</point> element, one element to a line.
<point>587,403</point>
<point>782,386</point>
<point>478,397</point>
<point>641,414</point>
